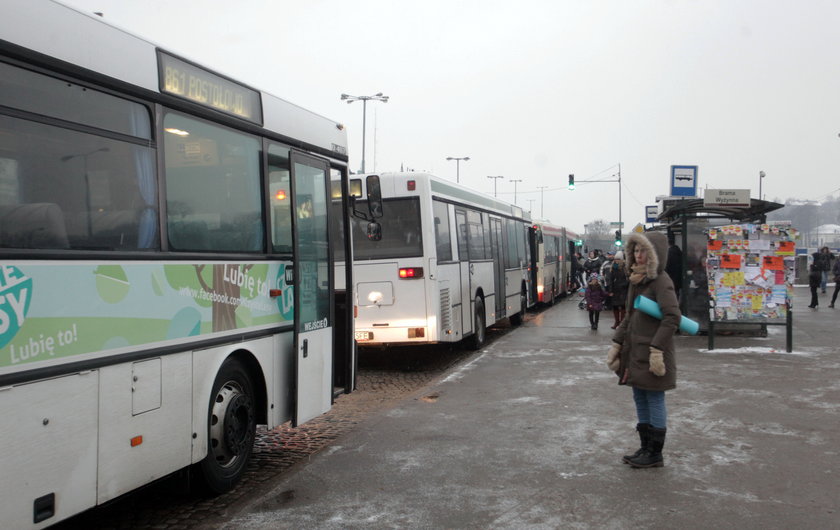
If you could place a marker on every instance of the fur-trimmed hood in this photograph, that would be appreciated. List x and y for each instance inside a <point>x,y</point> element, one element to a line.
<point>657,246</point>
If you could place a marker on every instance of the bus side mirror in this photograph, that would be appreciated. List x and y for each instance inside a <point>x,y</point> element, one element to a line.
<point>374,195</point>
<point>374,231</point>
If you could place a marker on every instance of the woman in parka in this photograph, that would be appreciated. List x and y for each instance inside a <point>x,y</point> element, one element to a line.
<point>617,283</point>
<point>642,353</point>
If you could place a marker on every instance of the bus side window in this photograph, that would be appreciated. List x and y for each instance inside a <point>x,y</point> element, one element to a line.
<point>461,225</point>
<point>443,240</point>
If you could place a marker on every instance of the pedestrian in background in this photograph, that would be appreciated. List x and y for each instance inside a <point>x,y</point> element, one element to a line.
<point>822,260</point>
<point>595,298</point>
<point>592,264</point>
<point>814,278</point>
<point>642,351</point>
<point>836,272</point>
<point>617,283</point>
<point>674,266</point>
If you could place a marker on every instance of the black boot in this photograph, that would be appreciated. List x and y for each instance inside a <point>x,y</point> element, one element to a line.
<point>644,438</point>
<point>652,456</point>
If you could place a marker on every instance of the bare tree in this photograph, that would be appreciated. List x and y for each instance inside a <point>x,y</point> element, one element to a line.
<point>598,227</point>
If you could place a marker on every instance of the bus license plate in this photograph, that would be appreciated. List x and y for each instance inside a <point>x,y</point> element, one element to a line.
<point>364,335</point>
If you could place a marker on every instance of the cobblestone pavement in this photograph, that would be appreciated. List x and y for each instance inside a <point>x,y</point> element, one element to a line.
<point>384,378</point>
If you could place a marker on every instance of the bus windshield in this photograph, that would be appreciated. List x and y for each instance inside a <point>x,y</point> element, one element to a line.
<point>401,234</point>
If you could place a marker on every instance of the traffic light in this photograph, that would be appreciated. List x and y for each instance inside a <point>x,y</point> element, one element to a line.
<point>618,238</point>
<point>572,181</point>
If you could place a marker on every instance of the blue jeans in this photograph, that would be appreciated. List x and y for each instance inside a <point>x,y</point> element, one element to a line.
<point>824,280</point>
<point>650,407</point>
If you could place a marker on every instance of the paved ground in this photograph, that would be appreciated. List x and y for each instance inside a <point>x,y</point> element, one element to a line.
<point>529,433</point>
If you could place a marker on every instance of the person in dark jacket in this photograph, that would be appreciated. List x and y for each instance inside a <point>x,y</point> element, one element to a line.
<point>595,298</point>
<point>814,278</point>
<point>822,260</point>
<point>591,265</point>
<point>642,352</point>
<point>617,283</point>
<point>836,272</point>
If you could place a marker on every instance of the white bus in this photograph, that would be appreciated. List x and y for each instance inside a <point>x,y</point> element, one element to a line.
<point>451,261</point>
<point>553,249</point>
<point>166,276</point>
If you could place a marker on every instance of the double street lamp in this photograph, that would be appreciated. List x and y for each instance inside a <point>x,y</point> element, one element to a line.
<point>364,99</point>
<point>495,181</point>
<point>514,188</point>
<point>457,160</point>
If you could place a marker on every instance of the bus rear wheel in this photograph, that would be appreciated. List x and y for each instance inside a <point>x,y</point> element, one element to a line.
<point>479,328</point>
<point>231,426</point>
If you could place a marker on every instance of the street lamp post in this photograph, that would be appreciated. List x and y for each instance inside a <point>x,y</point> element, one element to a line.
<point>495,181</point>
<point>542,189</point>
<point>514,188</point>
<point>457,160</point>
<point>618,180</point>
<point>530,204</point>
<point>761,175</point>
<point>364,99</point>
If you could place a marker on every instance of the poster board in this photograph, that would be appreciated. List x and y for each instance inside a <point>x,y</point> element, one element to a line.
<point>750,268</point>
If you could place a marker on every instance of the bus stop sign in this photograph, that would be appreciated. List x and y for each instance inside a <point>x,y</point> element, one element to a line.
<point>684,181</point>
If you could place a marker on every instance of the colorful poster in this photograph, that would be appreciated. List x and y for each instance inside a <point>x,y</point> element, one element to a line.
<point>773,263</point>
<point>730,261</point>
<point>785,248</point>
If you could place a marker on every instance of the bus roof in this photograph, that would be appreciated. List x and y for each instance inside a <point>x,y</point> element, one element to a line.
<point>86,41</point>
<point>441,187</point>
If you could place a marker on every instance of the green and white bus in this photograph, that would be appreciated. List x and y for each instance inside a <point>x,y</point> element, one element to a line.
<point>167,279</point>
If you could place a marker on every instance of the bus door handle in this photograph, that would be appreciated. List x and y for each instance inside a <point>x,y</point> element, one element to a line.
<point>305,348</point>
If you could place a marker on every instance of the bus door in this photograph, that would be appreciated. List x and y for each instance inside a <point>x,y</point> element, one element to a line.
<point>464,264</point>
<point>502,289</point>
<point>313,288</point>
<point>533,262</point>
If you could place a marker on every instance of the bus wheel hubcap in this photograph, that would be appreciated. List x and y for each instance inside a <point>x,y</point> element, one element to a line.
<point>230,424</point>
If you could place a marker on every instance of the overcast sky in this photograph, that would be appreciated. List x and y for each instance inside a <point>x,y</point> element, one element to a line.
<point>536,90</point>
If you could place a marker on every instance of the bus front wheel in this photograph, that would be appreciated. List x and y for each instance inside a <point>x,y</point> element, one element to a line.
<point>231,426</point>
<point>479,328</point>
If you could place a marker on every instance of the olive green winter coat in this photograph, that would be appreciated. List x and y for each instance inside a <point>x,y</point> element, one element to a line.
<point>638,331</point>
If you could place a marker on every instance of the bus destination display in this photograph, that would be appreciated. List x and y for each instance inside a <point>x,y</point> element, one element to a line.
<point>191,82</point>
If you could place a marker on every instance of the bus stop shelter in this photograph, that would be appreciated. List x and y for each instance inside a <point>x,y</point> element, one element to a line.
<point>688,221</point>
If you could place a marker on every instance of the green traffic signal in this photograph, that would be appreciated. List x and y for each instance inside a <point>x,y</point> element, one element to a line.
<point>571,181</point>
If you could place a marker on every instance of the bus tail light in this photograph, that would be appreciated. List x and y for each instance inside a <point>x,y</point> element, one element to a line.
<point>137,440</point>
<point>411,185</point>
<point>407,273</point>
<point>416,333</point>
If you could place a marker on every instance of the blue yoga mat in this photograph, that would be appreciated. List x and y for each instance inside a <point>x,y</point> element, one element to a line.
<point>649,307</point>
